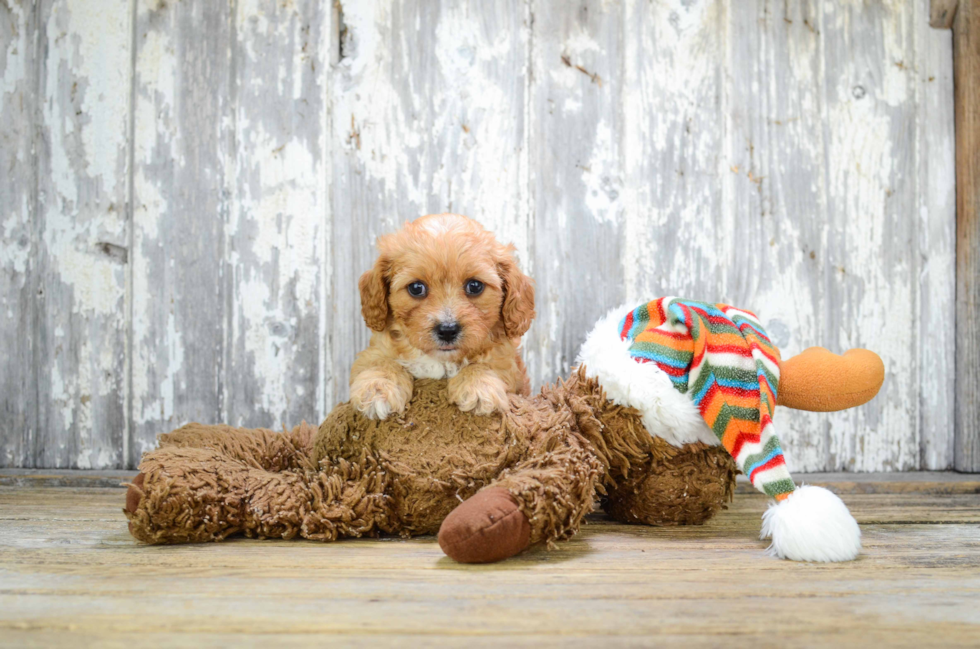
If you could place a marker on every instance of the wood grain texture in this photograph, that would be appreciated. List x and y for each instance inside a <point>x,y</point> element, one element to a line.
<point>936,242</point>
<point>82,157</point>
<point>231,217</point>
<point>275,238</point>
<point>183,139</point>
<point>18,232</point>
<point>69,572</point>
<point>673,148</point>
<point>966,71</point>
<point>792,158</point>
<point>577,181</point>
<point>105,478</point>
<point>869,267</point>
<point>942,13</point>
<point>894,482</point>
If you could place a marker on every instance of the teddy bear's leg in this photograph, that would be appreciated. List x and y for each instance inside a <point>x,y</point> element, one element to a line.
<point>543,498</point>
<point>257,447</point>
<point>193,495</point>
<point>679,486</point>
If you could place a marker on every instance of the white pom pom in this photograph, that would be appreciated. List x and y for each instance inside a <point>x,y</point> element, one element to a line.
<point>812,524</point>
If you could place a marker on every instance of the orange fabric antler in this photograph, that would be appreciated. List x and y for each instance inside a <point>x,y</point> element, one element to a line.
<point>822,381</point>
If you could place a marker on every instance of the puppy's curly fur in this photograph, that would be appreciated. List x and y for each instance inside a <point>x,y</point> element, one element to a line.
<point>445,299</point>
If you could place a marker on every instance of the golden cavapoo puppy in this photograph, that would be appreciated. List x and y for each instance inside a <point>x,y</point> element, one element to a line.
<point>444,300</point>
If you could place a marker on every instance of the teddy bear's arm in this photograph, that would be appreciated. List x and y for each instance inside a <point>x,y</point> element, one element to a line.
<point>555,490</point>
<point>542,498</point>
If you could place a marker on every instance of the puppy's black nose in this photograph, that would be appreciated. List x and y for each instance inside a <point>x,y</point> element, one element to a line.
<point>447,332</point>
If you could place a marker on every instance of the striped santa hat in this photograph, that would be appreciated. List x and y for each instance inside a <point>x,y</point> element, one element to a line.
<point>700,372</point>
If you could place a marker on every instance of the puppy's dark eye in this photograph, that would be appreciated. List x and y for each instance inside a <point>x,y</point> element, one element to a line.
<point>473,287</point>
<point>417,289</point>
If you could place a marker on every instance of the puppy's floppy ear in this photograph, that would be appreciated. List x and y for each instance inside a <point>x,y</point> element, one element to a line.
<point>517,311</point>
<point>374,295</point>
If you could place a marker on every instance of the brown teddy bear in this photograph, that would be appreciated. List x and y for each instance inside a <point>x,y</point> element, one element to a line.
<point>492,485</point>
<point>528,475</point>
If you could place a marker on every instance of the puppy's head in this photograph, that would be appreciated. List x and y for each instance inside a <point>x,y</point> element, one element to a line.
<point>446,286</point>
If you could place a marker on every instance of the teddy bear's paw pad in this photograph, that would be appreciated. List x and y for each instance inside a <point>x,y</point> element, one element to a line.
<point>486,528</point>
<point>134,495</point>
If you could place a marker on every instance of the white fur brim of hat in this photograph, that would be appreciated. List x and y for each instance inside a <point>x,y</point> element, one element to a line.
<point>812,524</point>
<point>667,413</point>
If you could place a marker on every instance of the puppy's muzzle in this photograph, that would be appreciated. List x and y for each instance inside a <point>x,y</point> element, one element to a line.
<point>447,332</point>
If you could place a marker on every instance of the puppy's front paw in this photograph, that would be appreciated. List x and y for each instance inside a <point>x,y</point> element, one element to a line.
<point>482,393</point>
<point>378,397</point>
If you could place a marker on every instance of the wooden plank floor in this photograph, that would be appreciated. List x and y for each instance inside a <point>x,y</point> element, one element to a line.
<point>70,575</point>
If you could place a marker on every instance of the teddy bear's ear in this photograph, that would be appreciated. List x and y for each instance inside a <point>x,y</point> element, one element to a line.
<point>517,310</point>
<point>374,295</point>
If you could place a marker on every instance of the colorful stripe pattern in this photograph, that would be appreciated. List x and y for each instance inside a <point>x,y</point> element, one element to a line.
<point>722,358</point>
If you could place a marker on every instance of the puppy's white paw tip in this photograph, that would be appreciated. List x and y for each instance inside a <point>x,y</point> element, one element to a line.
<point>377,410</point>
<point>378,399</point>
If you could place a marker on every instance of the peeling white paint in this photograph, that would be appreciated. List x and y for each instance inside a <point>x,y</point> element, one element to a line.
<point>15,253</point>
<point>603,186</point>
<point>936,242</point>
<point>275,235</point>
<point>102,61</point>
<point>18,382</point>
<point>471,158</point>
<point>15,55</point>
<point>82,165</point>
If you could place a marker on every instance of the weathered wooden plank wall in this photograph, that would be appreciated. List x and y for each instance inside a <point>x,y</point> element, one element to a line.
<point>966,73</point>
<point>936,235</point>
<point>65,162</point>
<point>18,255</point>
<point>191,189</point>
<point>230,213</point>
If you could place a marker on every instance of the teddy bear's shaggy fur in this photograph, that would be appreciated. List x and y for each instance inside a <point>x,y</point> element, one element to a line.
<point>554,454</point>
